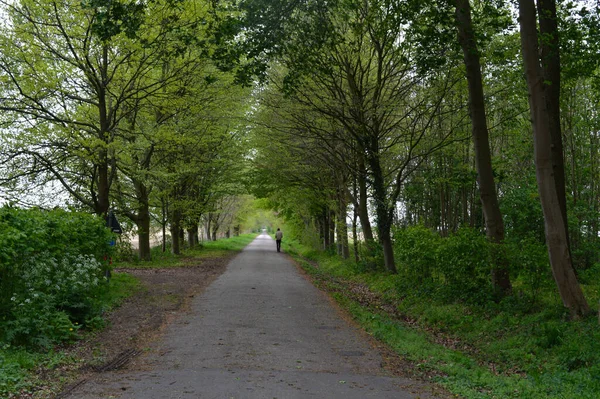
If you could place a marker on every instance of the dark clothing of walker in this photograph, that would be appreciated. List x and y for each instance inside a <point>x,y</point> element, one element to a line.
<point>278,237</point>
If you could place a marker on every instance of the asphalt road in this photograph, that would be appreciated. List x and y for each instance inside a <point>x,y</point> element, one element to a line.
<point>261,330</point>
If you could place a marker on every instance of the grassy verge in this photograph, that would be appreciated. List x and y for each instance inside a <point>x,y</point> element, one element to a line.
<point>498,350</point>
<point>20,367</point>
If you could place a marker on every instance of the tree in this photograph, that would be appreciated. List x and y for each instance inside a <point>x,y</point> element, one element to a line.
<point>69,72</point>
<point>555,231</point>
<point>362,77</point>
<point>483,160</point>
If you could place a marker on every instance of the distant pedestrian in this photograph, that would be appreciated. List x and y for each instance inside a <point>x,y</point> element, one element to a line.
<point>278,237</point>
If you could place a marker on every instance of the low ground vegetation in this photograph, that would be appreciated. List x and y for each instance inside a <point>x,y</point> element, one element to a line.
<point>439,312</point>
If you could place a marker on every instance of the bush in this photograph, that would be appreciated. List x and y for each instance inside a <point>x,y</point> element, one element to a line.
<point>49,268</point>
<point>464,260</point>
<point>371,258</point>
<point>415,250</point>
<point>530,265</point>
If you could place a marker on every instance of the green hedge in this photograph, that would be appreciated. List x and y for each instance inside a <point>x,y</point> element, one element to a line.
<point>51,262</point>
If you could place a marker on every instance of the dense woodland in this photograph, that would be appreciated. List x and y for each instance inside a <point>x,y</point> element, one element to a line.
<point>361,122</point>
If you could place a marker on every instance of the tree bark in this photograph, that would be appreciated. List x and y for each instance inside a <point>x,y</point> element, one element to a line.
<point>143,227</point>
<point>175,228</point>
<point>384,215</point>
<point>556,236</point>
<point>331,229</point>
<point>192,236</point>
<point>354,220</point>
<point>355,235</point>
<point>342,226</point>
<point>325,229</point>
<point>103,202</point>
<point>483,160</point>
<point>549,47</point>
<point>164,209</point>
<point>363,211</point>
<point>208,227</point>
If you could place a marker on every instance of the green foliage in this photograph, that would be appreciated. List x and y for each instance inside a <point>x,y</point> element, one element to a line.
<point>124,251</point>
<point>522,212</point>
<point>371,257</point>
<point>49,270</point>
<point>230,244</point>
<point>530,265</point>
<point>415,249</point>
<point>508,349</point>
<point>456,268</point>
<point>464,260</point>
<point>17,363</point>
<point>14,364</point>
<point>114,17</point>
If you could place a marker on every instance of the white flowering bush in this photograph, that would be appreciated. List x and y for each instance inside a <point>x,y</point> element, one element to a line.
<point>56,299</point>
<point>49,273</point>
<point>68,280</point>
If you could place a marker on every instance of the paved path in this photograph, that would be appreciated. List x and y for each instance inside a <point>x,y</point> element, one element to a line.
<point>259,331</point>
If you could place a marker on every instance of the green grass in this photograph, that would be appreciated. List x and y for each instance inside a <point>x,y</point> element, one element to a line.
<point>207,249</point>
<point>511,349</point>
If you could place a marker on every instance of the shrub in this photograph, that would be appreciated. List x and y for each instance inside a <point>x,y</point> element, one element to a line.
<point>371,258</point>
<point>464,260</point>
<point>49,268</point>
<point>415,250</point>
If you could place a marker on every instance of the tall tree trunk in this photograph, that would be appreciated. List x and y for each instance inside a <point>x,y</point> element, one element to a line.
<point>342,226</point>
<point>338,233</point>
<point>103,203</point>
<point>192,236</point>
<point>143,227</point>
<point>331,219</point>
<point>208,227</point>
<point>175,229</point>
<point>384,215</point>
<point>549,47</point>
<point>103,199</point>
<point>556,236</point>
<point>142,219</point>
<point>483,160</point>
<point>164,209</point>
<point>355,235</point>
<point>363,200</point>
<point>325,229</point>
<point>354,220</point>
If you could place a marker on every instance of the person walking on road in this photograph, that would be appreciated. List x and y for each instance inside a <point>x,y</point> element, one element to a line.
<point>278,237</point>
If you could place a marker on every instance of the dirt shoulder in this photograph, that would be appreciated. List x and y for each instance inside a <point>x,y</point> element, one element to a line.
<point>135,324</point>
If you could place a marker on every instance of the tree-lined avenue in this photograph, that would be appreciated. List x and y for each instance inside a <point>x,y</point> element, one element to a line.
<point>259,331</point>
